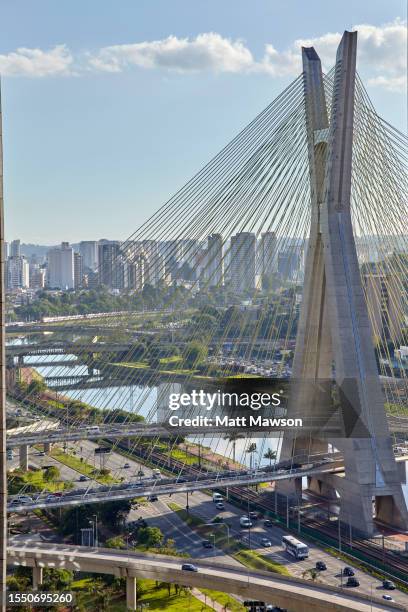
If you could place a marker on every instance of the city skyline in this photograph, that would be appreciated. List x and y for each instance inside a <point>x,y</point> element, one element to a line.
<point>61,84</point>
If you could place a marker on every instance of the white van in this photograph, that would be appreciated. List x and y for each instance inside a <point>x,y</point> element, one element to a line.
<point>245,522</point>
<point>156,473</point>
<point>93,429</point>
<point>217,497</point>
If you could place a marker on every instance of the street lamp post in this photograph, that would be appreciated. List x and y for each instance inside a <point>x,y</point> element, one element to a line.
<point>213,537</point>
<point>220,525</point>
<point>96,530</point>
<point>339,524</point>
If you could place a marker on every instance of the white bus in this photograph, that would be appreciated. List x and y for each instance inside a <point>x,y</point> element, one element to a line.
<point>294,547</point>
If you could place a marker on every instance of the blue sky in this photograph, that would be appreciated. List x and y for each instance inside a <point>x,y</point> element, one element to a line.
<point>110,106</point>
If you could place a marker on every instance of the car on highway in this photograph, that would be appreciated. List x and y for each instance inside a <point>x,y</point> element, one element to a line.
<point>83,478</point>
<point>153,498</point>
<point>388,585</point>
<point>348,571</point>
<point>245,522</point>
<point>93,429</point>
<point>41,454</point>
<point>207,544</point>
<point>181,479</point>
<point>220,505</point>
<point>268,523</point>
<point>321,566</point>
<point>387,597</point>
<point>266,542</point>
<point>189,567</point>
<point>53,497</point>
<point>253,515</point>
<point>126,466</point>
<point>217,497</point>
<point>352,582</point>
<point>21,500</point>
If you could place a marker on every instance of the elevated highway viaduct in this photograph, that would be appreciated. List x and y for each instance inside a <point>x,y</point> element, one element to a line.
<point>294,594</point>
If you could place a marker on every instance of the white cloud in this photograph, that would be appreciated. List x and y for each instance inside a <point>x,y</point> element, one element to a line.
<point>208,51</point>
<point>36,63</point>
<point>381,56</point>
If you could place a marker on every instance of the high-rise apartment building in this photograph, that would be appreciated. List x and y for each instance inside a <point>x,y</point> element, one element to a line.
<point>37,277</point>
<point>214,262</point>
<point>88,249</point>
<point>172,253</point>
<point>60,267</point>
<point>17,273</point>
<point>289,264</point>
<point>78,271</point>
<point>242,262</point>
<point>111,266</point>
<point>15,248</point>
<point>383,293</point>
<point>267,257</point>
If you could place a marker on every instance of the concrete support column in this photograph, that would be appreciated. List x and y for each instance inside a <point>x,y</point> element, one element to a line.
<point>24,457</point>
<point>47,447</point>
<point>131,599</point>
<point>37,577</point>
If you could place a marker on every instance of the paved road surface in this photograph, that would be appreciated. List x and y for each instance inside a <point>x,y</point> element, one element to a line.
<point>202,505</point>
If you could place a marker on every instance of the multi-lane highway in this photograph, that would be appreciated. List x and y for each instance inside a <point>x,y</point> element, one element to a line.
<point>158,513</point>
<point>165,486</point>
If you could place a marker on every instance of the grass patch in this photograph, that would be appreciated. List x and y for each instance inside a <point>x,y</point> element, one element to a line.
<point>254,560</point>
<point>396,409</point>
<point>187,517</point>
<point>158,598</point>
<point>225,600</point>
<point>136,365</point>
<point>56,405</point>
<point>171,360</point>
<point>80,466</point>
<point>181,455</point>
<point>33,481</point>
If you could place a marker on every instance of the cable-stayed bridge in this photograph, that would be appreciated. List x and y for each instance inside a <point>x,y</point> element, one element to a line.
<point>294,235</point>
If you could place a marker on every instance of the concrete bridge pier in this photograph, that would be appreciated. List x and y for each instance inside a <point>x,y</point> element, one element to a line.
<point>24,457</point>
<point>131,598</point>
<point>37,577</point>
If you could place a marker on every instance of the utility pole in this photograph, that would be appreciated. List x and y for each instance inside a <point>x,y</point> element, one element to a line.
<point>3,460</point>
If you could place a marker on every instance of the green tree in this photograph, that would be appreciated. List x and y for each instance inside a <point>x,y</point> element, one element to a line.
<point>116,542</point>
<point>51,473</point>
<point>36,387</point>
<point>271,455</point>
<point>194,353</point>
<point>150,536</point>
<point>251,449</point>
<point>56,579</point>
<point>233,437</point>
